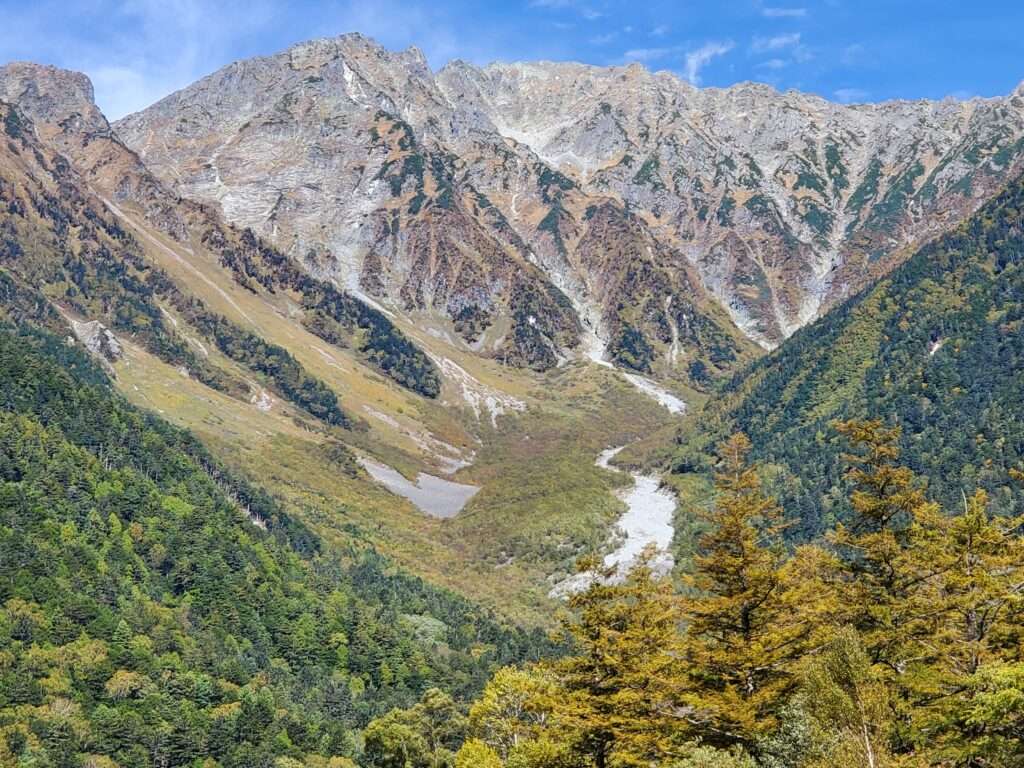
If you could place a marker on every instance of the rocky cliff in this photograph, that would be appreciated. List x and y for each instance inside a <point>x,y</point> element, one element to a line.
<point>536,211</point>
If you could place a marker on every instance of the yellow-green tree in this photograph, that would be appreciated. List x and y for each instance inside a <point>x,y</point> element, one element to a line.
<point>748,619</point>
<point>846,708</point>
<point>969,611</point>
<point>474,753</point>
<point>880,570</point>
<point>515,707</point>
<point>620,697</point>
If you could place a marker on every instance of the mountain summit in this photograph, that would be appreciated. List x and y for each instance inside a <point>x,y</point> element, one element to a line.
<point>625,211</point>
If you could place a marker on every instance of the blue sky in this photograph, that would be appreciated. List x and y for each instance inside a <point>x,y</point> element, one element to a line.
<point>847,50</point>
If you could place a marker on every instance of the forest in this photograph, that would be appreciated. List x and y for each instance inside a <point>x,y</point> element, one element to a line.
<point>157,610</point>
<point>896,640</point>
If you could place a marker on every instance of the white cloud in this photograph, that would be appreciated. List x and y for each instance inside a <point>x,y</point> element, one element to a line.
<point>698,59</point>
<point>603,39</point>
<point>851,95</point>
<point>775,43</point>
<point>650,54</point>
<point>773,64</point>
<point>587,12</point>
<point>784,13</point>
<point>147,49</point>
<point>660,31</point>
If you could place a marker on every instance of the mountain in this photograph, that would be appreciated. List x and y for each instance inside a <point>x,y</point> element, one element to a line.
<point>325,379</point>
<point>935,348</point>
<point>65,121</point>
<point>657,224</point>
<point>294,382</point>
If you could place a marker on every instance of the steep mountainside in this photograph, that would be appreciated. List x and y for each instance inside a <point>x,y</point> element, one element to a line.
<point>783,202</point>
<point>936,348</point>
<point>293,381</point>
<point>643,219</point>
<point>353,160</point>
<point>105,175</point>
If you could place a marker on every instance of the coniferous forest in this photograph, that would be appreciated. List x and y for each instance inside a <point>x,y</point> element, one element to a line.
<point>157,610</point>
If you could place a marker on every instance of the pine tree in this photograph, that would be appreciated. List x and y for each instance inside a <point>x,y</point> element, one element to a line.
<point>621,690</point>
<point>746,626</point>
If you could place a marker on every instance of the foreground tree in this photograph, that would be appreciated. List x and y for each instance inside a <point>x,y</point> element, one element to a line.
<point>620,695</point>
<point>749,618</point>
<point>840,715</point>
<point>514,708</point>
<point>970,639</point>
<point>425,736</point>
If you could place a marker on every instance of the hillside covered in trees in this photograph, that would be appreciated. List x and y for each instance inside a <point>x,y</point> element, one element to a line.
<point>936,348</point>
<point>156,610</point>
<point>895,641</point>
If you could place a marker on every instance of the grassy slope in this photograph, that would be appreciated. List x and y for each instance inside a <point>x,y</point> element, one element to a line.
<point>542,501</point>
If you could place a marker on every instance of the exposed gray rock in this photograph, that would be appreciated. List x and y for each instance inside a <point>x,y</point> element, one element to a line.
<point>470,195</point>
<point>98,339</point>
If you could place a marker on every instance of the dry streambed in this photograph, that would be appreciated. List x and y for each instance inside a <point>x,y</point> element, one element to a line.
<point>435,496</point>
<point>646,523</point>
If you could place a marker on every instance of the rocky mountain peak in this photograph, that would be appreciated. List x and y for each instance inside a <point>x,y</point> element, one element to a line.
<point>774,205</point>
<point>52,95</point>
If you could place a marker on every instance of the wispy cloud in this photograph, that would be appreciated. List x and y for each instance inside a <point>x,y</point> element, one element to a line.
<point>775,43</point>
<point>853,55</point>
<point>603,39</point>
<point>773,64</point>
<point>851,95</point>
<point>784,13</point>
<point>660,31</point>
<point>150,48</point>
<point>696,60</point>
<point>587,12</point>
<point>650,54</point>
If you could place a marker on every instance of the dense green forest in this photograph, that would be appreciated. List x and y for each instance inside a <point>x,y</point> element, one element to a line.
<point>937,348</point>
<point>157,609</point>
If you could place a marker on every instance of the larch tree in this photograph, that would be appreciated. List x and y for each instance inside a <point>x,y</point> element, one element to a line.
<point>749,614</point>
<point>879,568</point>
<point>970,613</point>
<point>621,690</point>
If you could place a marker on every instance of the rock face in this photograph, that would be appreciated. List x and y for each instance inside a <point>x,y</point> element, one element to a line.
<point>63,164</point>
<point>98,339</point>
<point>357,163</point>
<point>783,202</point>
<point>531,211</point>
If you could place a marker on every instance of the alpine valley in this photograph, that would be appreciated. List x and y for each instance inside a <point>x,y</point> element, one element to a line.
<point>330,381</point>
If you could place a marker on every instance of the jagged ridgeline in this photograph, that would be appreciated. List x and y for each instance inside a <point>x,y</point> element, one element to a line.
<point>61,239</point>
<point>156,608</point>
<point>675,224</point>
<point>936,348</point>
